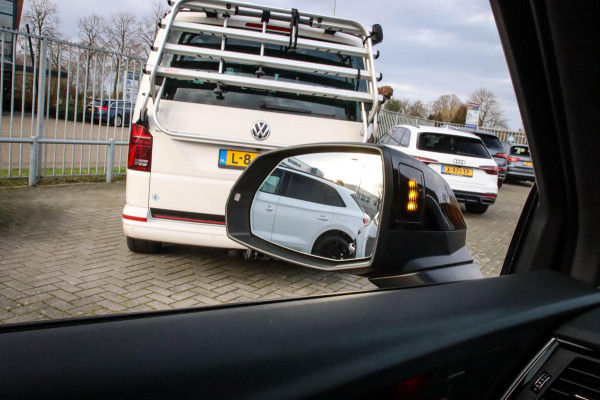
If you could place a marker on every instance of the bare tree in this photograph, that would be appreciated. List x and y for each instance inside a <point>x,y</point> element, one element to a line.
<point>91,30</point>
<point>491,114</point>
<point>122,37</point>
<point>42,15</point>
<point>149,24</point>
<point>445,107</point>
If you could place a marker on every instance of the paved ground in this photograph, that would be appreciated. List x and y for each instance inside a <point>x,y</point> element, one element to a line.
<point>62,254</point>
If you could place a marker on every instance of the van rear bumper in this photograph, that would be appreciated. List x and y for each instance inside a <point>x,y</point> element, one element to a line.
<point>139,224</point>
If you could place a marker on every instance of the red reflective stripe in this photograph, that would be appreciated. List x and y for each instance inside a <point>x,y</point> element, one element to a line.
<point>489,195</point>
<point>140,219</point>
<point>189,219</point>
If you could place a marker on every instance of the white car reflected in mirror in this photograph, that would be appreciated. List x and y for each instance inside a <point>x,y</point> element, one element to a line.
<point>322,204</point>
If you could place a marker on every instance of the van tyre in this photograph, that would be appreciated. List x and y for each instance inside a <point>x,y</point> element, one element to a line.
<point>118,120</point>
<point>143,246</point>
<point>476,208</point>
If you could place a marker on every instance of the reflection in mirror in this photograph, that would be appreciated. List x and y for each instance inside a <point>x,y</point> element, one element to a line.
<point>324,204</point>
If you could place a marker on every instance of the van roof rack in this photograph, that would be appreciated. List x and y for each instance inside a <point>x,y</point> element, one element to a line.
<point>260,32</point>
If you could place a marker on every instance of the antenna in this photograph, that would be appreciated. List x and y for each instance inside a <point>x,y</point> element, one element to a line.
<point>334,1</point>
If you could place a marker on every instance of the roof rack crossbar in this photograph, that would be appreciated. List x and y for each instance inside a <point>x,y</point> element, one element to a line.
<point>257,83</point>
<point>267,38</point>
<point>266,61</point>
<point>281,14</point>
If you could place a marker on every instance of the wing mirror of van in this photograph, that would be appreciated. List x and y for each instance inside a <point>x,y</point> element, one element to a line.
<point>365,209</point>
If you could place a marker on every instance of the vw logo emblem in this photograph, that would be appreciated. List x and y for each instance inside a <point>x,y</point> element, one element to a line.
<point>459,162</point>
<point>260,130</point>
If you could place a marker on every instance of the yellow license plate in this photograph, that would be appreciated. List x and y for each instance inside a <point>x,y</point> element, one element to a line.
<point>528,163</point>
<point>235,159</point>
<point>450,170</point>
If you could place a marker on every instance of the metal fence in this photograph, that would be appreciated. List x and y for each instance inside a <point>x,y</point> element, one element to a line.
<point>65,108</point>
<point>387,119</point>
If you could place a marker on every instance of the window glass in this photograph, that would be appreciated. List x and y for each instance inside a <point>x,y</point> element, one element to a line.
<point>309,189</point>
<point>491,141</point>
<point>398,134</point>
<point>405,138</point>
<point>450,144</point>
<point>259,99</point>
<point>272,183</point>
<point>519,150</point>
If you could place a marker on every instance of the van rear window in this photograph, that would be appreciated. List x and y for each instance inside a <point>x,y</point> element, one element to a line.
<point>260,99</point>
<point>450,144</point>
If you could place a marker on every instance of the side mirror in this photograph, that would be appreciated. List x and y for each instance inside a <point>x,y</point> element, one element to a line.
<point>365,209</point>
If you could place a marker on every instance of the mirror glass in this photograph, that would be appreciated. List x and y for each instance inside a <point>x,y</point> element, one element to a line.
<point>324,204</point>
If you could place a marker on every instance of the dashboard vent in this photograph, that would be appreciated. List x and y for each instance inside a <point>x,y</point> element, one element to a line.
<point>580,380</point>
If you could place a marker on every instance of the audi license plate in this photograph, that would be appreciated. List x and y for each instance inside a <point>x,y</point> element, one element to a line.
<point>528,163</point>
<point>235,159</point>
<point>451,170</point>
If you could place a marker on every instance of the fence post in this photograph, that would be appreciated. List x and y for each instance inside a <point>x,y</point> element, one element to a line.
<point>110,161</point>
<point>41,105</point>
<point>33,158</point>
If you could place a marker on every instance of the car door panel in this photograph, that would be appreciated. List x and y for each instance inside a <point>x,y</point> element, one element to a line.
<point>340,346</point>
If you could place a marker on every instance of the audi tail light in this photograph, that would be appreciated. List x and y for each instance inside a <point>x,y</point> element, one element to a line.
<point>492,170</point>
<point>140,149</point>
<point>513,159</point>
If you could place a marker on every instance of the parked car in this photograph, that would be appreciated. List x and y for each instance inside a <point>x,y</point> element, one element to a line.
<point>308,213</point>
<point>113,112</point>
<point>518,162</point>
<point>494,146</point>
<point>460,157</point>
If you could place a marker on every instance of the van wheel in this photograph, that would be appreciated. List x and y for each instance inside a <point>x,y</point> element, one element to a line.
<point>333,246</point>
<point>118,120</point>
<point>476,208</point>
<point>143,246</point>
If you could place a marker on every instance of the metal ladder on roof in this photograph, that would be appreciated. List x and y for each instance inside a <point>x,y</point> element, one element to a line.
<point>264,15</point>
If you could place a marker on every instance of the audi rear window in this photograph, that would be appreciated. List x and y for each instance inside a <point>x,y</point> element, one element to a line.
<point>450,144</point>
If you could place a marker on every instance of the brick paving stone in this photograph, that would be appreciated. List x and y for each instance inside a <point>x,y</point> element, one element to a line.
<point>63,254</point>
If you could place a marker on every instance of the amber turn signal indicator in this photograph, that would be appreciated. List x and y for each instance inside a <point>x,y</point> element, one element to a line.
<point>413,195</point>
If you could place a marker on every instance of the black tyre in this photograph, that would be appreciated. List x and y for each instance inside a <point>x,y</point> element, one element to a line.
<point>333,246</point>
<point>143,246</point>
<point>118,120</point>
<point>476,208</point>
<point>500,182</point>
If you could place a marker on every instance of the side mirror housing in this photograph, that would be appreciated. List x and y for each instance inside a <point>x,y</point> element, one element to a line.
<point>365,209</point>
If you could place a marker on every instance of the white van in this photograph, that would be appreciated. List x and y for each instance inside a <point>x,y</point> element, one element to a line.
<point>226,81</point>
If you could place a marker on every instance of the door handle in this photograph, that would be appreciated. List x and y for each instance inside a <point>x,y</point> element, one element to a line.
<point>322,218</point>
<point>269,208</point>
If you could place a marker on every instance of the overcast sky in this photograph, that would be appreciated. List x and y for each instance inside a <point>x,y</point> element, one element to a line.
<point>430,47</point>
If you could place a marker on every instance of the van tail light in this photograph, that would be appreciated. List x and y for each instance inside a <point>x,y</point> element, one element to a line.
<point>492,170</point>
<point>140,149</point>
<point>366,219</point>
<point>501,155</point>
<point>513,159</point>
<point>426,160</point>
<point>104,108</point>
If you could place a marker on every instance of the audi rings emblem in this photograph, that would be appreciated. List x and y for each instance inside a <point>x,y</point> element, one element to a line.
<point>260,130</point>
<point>459,162</point>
